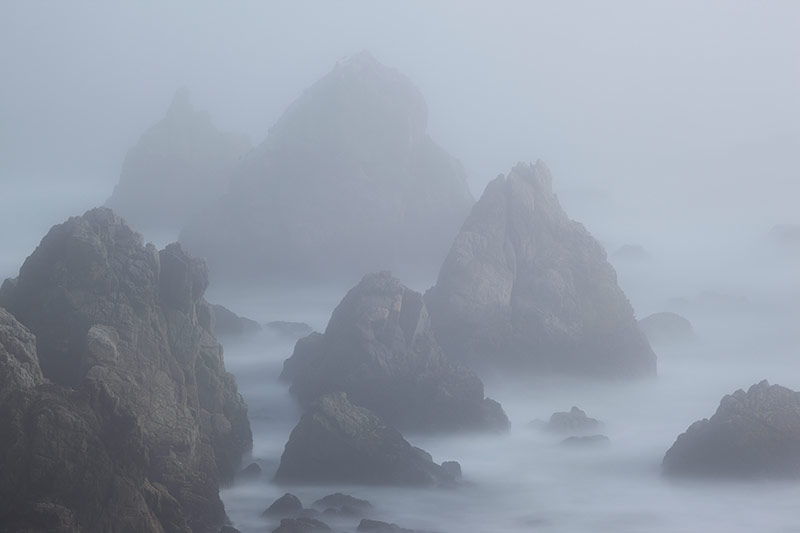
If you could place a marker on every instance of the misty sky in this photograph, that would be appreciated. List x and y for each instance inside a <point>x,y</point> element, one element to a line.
<point>639,108</point>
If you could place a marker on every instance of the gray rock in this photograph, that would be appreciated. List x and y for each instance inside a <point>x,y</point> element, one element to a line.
<point>301,525</point>
<point>228,323</point>
<point>346,182</point>
<point>667,328</point>
<point>137,379</point>
<point>753,434</point>
<point>524,288</point>
<point>286,505</point>
<point>379,349</point>
<point>376,526</point>
<point>574,422</point>
<point>251,471</point>
<point>453,468</point>
<point>588,441</point>
<point>343,503</point>
<point>293,330</point>
<point>178,167</point>
<point>338,442</point>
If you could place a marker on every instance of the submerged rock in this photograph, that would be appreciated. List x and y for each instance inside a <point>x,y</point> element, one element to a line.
<point>753,434</point>
<point>575,422</point>
<point>379,349</point>
<point>226,322</point>
<point>524,288</point>
<point>346,182</point>
<point>136,396</point>
<point>667,328</point>
<point>178,167</point>
<point>286,505</point>
<point>338,442</point>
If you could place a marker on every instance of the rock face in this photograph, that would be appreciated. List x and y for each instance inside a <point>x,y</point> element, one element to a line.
<point>753,434</point>
<point>379,349</point>
<point>226,322</point>
<point>574,422</point>
<point>347,174</point>
<point>338,442</point>
<point>667,328</point>
<point>178,167</point>
<point>526,288</point>
<point>138,387</point>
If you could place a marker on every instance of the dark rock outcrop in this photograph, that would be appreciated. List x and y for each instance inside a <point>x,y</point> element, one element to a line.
<point>301,525</point>
<point>137,399</point>
<point>376,526</point>
<point>346,182</point>
<point>286,505</point>
<point>178,167</point>
<point>251,471</point>
<point>453,468</point>
<point>587,441</point>
<point>574,422</point>
<point>380,350</point>
<point>338,442</point>
<point>526,288</point>
<point>344,504</point>
<point>753,434</point>
<point>226,322</point>
<point>293,330</point>
<point>667,328</point>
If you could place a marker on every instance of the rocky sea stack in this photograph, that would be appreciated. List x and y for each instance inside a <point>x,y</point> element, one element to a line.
<point>348,174</point>
<point>128,387</point>
<point>753,434</point>
<point>179,166</point>
<point>526,288</point>
<point>379,348</point>
<point>338,442</point>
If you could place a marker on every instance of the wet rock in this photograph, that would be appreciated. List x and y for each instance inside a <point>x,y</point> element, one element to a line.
<point>301,525</point>
<point>286,505</point>
<point>136,394</point>
<point>667,328</point>
<point>753,434</point>
<point>293,330</point>
<point>346,182</point>
<point>226,322</point>
<point>176,169</point>
<point>575,422</point>
<point>376,526</point>
<point>588,441</point>
<point>338,442</point>
<point>533,288</point>
<point>251,471</point>
<point>379,348</point>
<point>343,504</point>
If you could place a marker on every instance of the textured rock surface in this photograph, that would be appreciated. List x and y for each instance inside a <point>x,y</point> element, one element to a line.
<point>286,505</point>
<point>526,288</point>
<point>226,322</point>
<point>178,167</point>
<point>379,349</point>
<point>344,504</point>
<point>753,434</point>
<point>573,421</point>
<point>667,328</point>
<point>338,442</point>
<point>123,332</point>
<point>347,174</point>
<point>376,526</point>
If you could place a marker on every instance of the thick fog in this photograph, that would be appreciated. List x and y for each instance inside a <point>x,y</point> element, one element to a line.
<point>672,131</point>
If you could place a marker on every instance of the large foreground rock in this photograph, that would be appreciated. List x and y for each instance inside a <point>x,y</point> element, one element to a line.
<point>346,182</point>
<point>753,434</point>
<point>526,288</point>
<point>179,166</point>
<point>136,397</point>
<point>379,349</point>
<point>338,442</point>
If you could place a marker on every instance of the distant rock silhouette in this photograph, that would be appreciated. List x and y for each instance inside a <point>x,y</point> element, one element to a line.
<point>133,393</point>
<point>524,288</point>
<point>586,441</point>
<point>574,422</point>
<point>294,330</point>
<point>228,323</point>
<point>346,182</point>
<point>338,442</point>
<point>178,167</point>
<point>667,328</point>
<point>379,349</point>
<point>753,434</point>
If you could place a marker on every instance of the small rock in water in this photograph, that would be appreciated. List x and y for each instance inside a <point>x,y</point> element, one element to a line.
<point>376,526</point>
<point>453,468</point>
<point>574,421</point>
<point>301,525</point>
<point>286,505</point>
